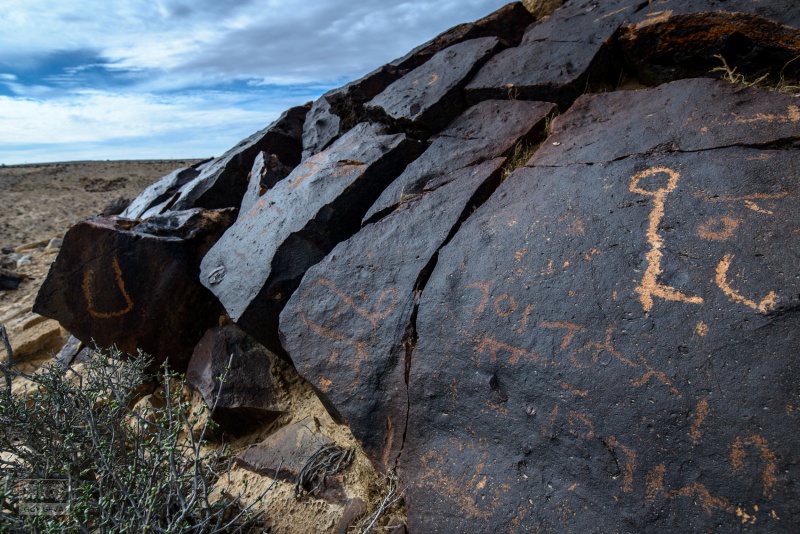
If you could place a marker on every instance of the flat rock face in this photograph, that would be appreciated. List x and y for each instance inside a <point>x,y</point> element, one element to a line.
<point>507,24</point>
<point>485,131</point>
<point>621,357</point>
<point>259,262</point>
<point>247,398</point>
<point>671,38</point>
<point>430,96</point>
<point>350,323</point>
<point>557,56</point>
<point>685,115</point>
<point>116,282</point>
<point>267,171</point>
<point>284,454</point>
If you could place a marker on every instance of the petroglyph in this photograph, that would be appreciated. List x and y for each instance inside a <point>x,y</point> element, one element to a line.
<point>769,476</point>
<point>649,285</point>
<point>699,416</point>
<point>88,277</point>
<point>718,229</point>
<point>764,305</point>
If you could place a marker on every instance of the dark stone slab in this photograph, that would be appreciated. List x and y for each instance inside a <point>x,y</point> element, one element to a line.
<point>9,279</point>
<point>507,24</point>
<point>684,115</point>
<point>223,181</point>
<point>485,131</point>
<point>155,198</point>
<point>69,351</point>
<point>337,111</point>
<point>426,99</point>
<point>558,57</point>
<point>259,262</point>
<point>284,454</point>
<point>674,39</point>
<point>340,109</point>
<point>349,325</point>
<point>267,171</point>
<point>354,509</point>
<point>620,358</point>
<point>247,399</point>
<point>116,282</point>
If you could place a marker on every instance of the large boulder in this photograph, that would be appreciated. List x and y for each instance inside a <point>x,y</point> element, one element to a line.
<point>259,262</point>
<point>235,376</point>
<point>620,356</point>
<point>135,285</point>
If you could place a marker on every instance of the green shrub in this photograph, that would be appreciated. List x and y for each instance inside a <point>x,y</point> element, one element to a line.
<point>122,467</point>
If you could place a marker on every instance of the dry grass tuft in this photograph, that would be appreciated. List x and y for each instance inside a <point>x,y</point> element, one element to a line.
<point>763,82</point>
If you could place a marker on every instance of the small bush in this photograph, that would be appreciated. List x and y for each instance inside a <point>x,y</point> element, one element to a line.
<point>122,467</point>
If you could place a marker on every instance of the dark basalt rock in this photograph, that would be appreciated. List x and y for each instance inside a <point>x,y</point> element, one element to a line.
<point>350,325</point>
<point>247,399</point>
<point>116,282</point>
<point>223,182</point>
<point>337,111</point>
<point>488,130</point>
<point>69,351</point>
<point>266,172</point>
<point>619,358</point>
<point>284,453</point>
<point>430,96</point>
<point>673,39</point>
<point>259,262</point>
<point>156,198</point>
<point>558,56</point>
<point>721,114</point>
<point>508,24</point>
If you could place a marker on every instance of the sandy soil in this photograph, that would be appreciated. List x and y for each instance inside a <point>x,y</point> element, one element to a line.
<point>40,202</point>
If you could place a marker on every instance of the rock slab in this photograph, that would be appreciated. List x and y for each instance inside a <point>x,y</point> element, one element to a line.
<point>258,263</point>
<point>135,285</point>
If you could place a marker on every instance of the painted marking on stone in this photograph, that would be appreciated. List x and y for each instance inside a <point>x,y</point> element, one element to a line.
<point>571,330</point>
<point>630,464</point>
<point>88,277</point>
<point>708,502</point>
<point>700,414</point>
<point>654,482</point>
<point>493,347</point>
<point>764,305</point>
<point>701,329</point>
<point>769,476</point>
<point>718,229</point>
<point>649,285</point>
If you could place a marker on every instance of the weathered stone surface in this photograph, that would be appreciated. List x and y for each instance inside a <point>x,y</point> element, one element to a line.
<point>558,56</point>
<point>338,110</point>
<point>284,454</point>
<point>9,279</point>
<point>116,282</point>
<point>355,508</point>
<point>258,263</point>
<point>267,171</point>
<point>247,398</point>
<point>541,8</point>
<point>621,357</point>
<point>159,197</point>
<point>673,39</point>
<point>351,322</point>
<point>38,339</point>
<point>507,24</point>
<point>430,96</point>
<point>221,183</point>
<point>68,352</point>
<point>485,131</point>
<point>720,114</point>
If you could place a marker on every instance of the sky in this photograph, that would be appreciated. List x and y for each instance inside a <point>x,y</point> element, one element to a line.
<point>175,79</point>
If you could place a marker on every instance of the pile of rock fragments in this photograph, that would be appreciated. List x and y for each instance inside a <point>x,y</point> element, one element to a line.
<point>545,268</point>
